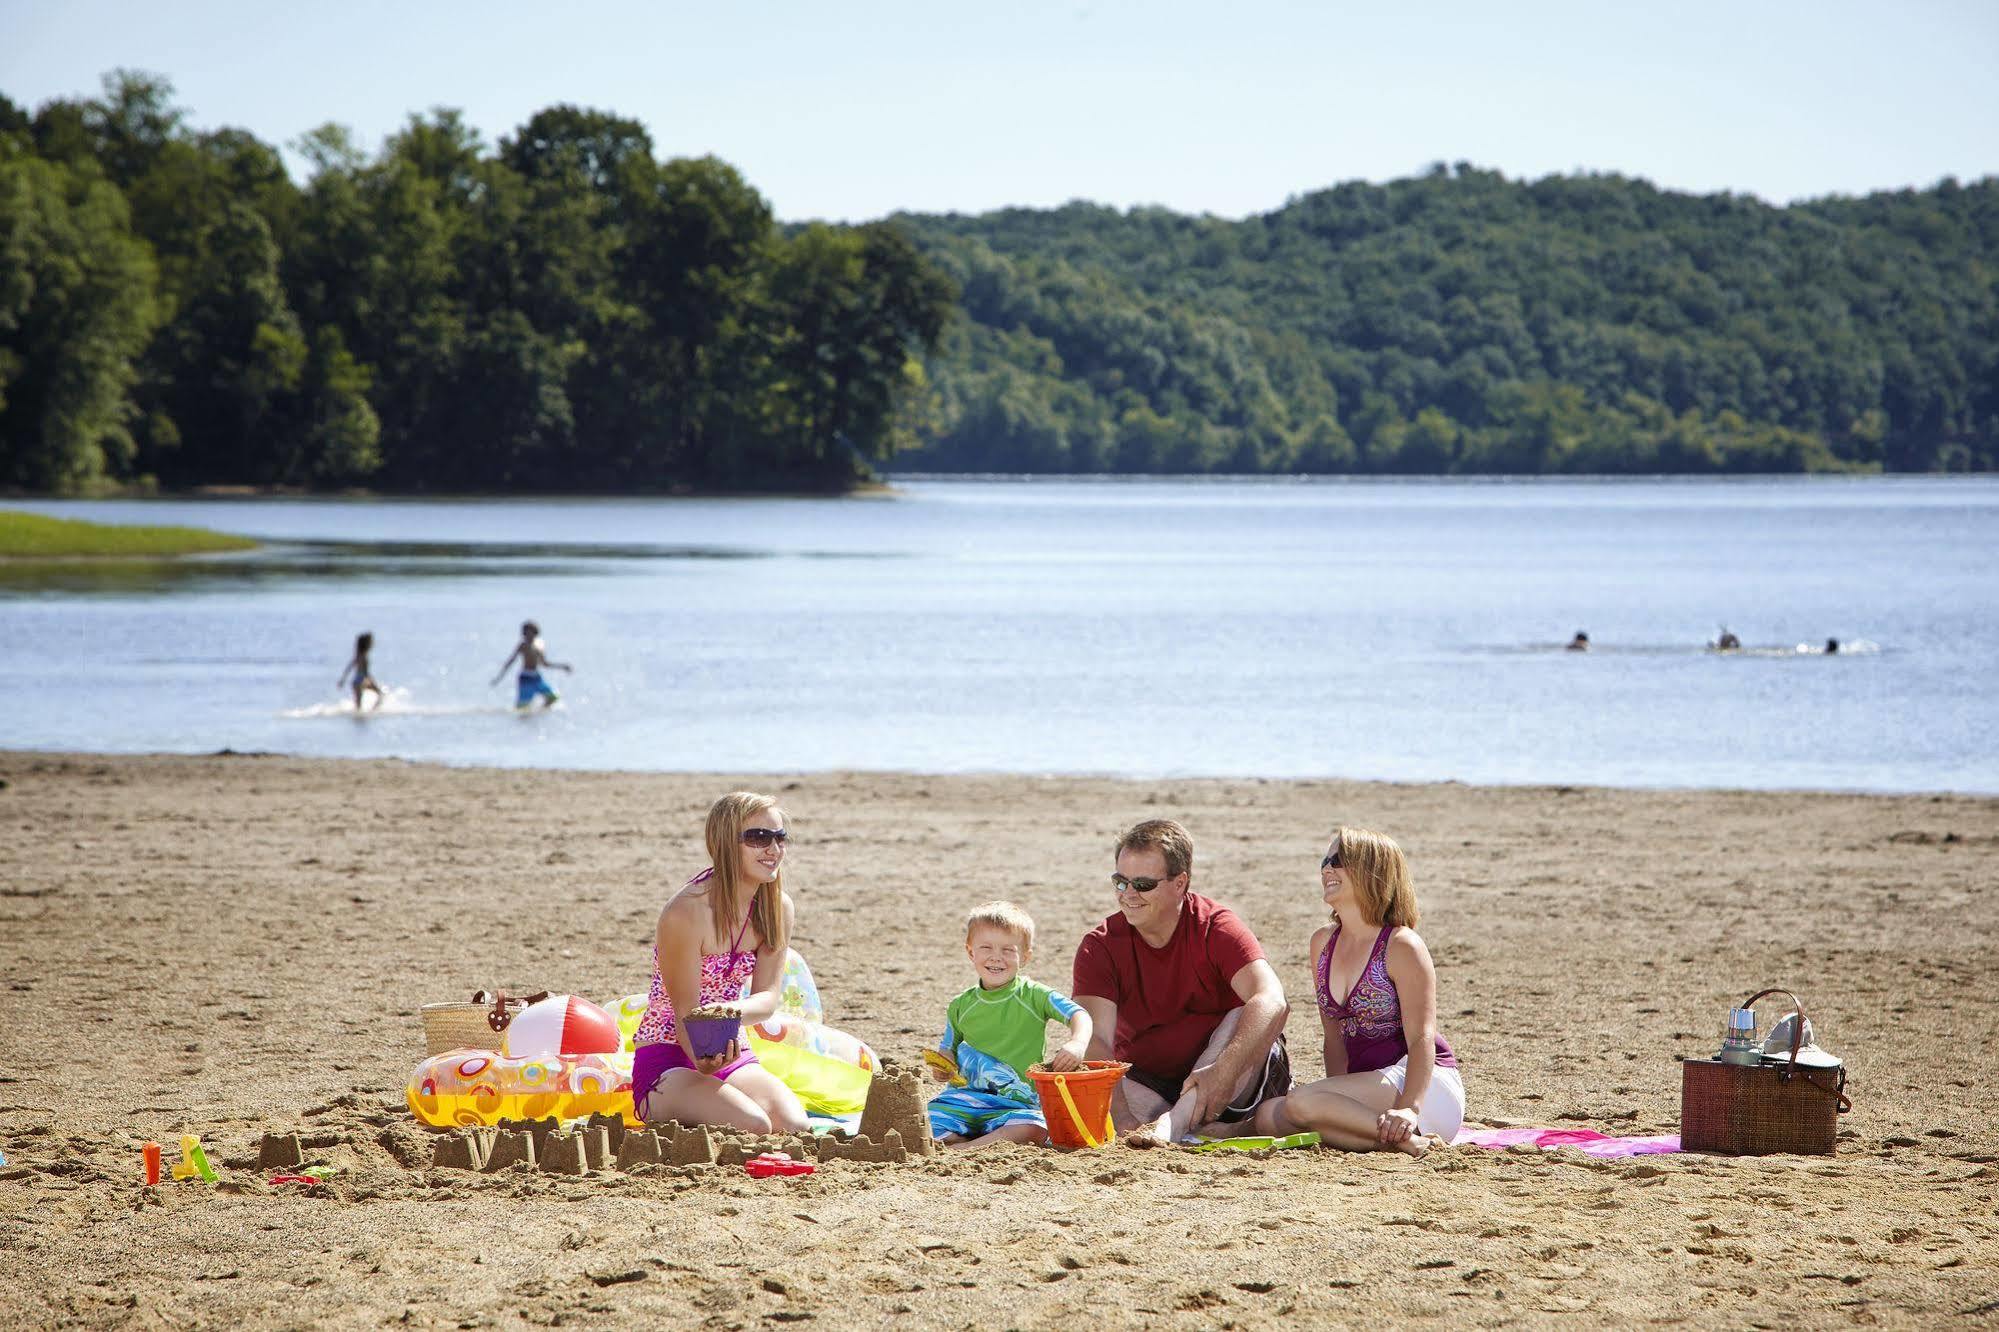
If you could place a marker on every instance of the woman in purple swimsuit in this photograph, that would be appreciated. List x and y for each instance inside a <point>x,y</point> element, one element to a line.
<point>721,940</point>
<point>1392,1082</point>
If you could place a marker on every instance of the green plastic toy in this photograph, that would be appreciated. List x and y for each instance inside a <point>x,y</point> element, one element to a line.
<point>193,1161</point>
<point>1255,1144</point>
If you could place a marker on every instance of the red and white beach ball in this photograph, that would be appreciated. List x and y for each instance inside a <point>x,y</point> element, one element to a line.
<point>561,1024</point>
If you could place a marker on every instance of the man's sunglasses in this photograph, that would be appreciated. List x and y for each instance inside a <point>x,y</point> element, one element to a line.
<point>1119,883</point>
<point>764,836</point>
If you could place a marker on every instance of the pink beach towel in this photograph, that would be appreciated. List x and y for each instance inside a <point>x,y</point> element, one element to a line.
<point>1583,1140</point>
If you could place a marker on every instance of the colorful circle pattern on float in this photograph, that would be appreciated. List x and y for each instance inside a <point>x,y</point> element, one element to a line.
<point>465,1087</point>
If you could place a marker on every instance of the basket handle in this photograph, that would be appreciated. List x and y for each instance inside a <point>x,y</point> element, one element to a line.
<point>1797,1040</point>
<point>501,1014</point>
<point>1076,1116</point>
<point>1797,1028</point>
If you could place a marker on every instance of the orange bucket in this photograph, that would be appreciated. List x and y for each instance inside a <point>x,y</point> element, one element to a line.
<point>1077,1104</point>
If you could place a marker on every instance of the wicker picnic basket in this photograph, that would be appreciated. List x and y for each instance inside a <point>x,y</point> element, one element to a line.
<point>478,1025</point>
<point>1759,1109</point>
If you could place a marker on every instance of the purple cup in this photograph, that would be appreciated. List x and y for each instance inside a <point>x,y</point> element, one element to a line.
<point>711,1035</point>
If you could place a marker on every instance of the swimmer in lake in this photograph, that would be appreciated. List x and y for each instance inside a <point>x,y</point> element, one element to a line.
<point>357,668</point>
<point>533,654</point>
<point>1580,643</point>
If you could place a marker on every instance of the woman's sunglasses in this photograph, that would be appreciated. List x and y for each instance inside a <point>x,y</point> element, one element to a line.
<point>761,837</point>
<point>1332,860</point>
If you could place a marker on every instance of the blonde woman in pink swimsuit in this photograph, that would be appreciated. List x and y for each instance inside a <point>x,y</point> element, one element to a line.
<point>721,940</point>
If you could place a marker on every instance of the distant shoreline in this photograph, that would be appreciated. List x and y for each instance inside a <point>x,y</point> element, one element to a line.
<point>865,490</point>
<point>887,486</point>
<point>1495,788</point>
<point>39,539</point>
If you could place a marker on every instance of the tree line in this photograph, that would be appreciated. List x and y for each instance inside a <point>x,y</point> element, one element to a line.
<point>1460,322</point>
<point>566,311</point>
<point>562,311</point>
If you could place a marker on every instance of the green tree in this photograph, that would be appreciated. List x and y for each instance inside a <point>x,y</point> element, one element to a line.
<point>847,311</point>
<point>337,437</point>
<point>76,309</point>
<point>231,360</point>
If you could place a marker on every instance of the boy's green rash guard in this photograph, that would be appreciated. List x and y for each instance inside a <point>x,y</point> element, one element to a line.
<point>1010,1023</point>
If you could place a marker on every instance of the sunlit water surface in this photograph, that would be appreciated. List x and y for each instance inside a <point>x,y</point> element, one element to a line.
<point>1405,630</point>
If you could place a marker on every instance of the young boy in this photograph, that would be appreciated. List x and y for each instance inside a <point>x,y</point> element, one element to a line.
<point>994,1031</point>
<point>534,655</point>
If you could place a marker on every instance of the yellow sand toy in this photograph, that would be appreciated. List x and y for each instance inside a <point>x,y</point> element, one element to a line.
<point>944,1064</point>
<point>193,1162</point>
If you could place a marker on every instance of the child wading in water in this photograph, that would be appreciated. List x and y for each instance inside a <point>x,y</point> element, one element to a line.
<point>994,1032</point>
<point>358,668</point>
<point>534,655</point>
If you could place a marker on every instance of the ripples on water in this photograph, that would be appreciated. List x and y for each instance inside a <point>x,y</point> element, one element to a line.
<point>1398,630</point>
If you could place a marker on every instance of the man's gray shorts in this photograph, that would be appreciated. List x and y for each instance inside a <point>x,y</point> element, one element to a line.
<point>1276,1081</point>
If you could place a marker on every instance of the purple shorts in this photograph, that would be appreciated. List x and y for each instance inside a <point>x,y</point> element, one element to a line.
<point>652,1062</point>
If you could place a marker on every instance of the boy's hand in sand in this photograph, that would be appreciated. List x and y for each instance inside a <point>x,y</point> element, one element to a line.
<point>1068,1057</point>
<point>1395,1126</point>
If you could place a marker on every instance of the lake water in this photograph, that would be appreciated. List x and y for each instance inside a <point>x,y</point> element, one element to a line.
<point>1404,630</point>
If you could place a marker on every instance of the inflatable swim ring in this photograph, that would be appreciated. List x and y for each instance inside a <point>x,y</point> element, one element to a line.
<point>826,1068</point>
<point>463,1087</point>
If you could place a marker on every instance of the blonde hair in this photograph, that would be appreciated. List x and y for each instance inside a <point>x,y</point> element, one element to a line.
<point>1165,836</point>
<point>1005,916</point>
<point>727,818</point>
<point>1379,875</point>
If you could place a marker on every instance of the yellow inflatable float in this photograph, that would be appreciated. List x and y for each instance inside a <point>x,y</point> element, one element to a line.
<point>828,1069</point>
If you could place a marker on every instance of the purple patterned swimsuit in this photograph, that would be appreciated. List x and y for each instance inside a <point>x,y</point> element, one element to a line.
<point>1371,1018</point>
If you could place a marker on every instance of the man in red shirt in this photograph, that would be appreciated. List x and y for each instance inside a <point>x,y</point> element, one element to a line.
<point>1177,986</point>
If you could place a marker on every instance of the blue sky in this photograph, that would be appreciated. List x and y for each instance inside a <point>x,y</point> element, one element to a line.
<point>851,111</point>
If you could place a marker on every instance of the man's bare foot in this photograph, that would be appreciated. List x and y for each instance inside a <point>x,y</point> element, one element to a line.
<point>1241,1128</point>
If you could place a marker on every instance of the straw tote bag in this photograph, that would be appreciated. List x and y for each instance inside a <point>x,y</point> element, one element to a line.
<point>479,1025</point>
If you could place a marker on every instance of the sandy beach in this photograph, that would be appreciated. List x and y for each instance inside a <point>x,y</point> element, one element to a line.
<point>238,945</point>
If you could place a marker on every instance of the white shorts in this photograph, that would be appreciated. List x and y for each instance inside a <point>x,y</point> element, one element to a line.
<point>1442,1110</point>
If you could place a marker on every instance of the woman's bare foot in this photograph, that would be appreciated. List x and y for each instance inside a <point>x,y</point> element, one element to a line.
<point>1418,1145</point>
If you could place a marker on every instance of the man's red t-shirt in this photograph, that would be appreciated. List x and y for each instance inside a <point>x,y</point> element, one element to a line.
<point>1169,1000</point>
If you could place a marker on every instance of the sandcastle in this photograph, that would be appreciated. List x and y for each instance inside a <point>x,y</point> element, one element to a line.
<point>895,1122</point>
<point>280,1151</point>
<point>894,1127</point>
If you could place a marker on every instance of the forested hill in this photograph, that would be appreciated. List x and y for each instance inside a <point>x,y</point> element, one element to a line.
<point>561,311</point>
<point>1463,322</point>
<point>570,310</point>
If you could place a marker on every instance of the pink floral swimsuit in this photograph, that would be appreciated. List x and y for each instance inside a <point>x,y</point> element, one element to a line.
<point>725,978</point>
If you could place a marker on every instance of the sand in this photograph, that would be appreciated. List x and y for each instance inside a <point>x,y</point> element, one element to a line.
<point>237,945</point>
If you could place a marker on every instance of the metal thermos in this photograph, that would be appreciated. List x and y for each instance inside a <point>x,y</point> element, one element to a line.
<point>1738,1039</point>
